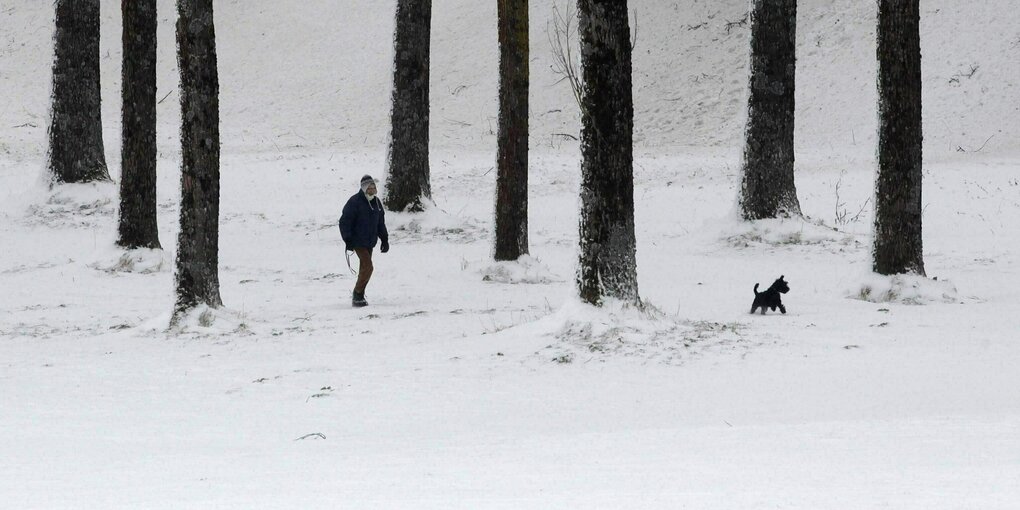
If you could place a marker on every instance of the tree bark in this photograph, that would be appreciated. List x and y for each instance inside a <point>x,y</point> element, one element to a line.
<point>898,243</point>
<point>768,189</point>
<point>198,243</point>
<point>76,125</point>
<point>138,226</point>
<point>512,153</point>
<point>407,184</point>
<point>607,266</point>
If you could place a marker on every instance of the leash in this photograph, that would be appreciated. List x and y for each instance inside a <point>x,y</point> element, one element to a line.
<point>353,272</point>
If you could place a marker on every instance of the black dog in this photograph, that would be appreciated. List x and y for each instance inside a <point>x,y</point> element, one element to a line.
<point>771,297</point>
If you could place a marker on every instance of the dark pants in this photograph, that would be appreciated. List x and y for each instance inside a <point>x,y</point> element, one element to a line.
<point>365,269</point>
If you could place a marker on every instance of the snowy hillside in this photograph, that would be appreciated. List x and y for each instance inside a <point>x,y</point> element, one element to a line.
<point>469,384</point>
<point>316,73</point>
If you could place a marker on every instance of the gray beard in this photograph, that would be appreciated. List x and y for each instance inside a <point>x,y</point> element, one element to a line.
<point>370,197</point>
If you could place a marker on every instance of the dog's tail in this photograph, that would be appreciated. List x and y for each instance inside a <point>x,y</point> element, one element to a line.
<point>756,289</point>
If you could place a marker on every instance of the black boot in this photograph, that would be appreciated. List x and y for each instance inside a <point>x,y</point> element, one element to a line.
<point>358,300</point>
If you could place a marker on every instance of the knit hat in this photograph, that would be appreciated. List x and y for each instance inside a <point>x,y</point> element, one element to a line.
<point>366,181</point>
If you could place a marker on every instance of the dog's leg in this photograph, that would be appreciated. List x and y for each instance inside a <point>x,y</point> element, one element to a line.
<point>763,310</point>
<point>782,309</point>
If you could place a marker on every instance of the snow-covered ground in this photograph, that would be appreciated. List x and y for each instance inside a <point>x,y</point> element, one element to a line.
<point>471,384</point>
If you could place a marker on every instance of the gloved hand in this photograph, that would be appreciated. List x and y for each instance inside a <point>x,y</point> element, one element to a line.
<point>385,247</point>
<point>348,247</point>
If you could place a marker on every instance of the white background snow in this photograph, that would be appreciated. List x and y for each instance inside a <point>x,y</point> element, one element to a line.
<point>470,384</point>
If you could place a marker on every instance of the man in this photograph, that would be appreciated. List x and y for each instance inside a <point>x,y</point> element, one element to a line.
<point>361,225</point>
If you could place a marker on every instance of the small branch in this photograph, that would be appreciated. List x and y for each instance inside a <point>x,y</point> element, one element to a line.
<point>842,215</point>
<point>857,217</point>
<point>956,77</point>
<point>457,122</point>
<point>742,22</point>
<point>986,143</point>
<point>166,96</point>
<point>959,148</point>
<point>318,435</point>
<point>560,31</point>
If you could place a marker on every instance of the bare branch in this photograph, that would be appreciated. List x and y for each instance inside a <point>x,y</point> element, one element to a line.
<point>560,31</point>
<point>960,148</point>
<point>742,22</point>
<point>843,216</point>
<point>166,96</point>
<point>956,77</point>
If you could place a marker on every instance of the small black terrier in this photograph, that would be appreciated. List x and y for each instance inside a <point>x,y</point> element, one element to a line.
<point>771,297</point>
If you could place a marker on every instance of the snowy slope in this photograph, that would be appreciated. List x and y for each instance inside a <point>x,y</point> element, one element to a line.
<point>474,385</point>
<point>316,73</point>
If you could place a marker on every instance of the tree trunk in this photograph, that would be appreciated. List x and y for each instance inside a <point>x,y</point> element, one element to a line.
<point>138,228</point>
<point>512,154</point>
<point>768,189</point>
<point>198,243</point>
<point>407,185</point>
<point>607,265</point>
<point>76,125</point>
<point>898,246</point>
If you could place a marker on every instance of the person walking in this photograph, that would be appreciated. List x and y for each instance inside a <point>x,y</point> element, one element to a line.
<point>362,224</point>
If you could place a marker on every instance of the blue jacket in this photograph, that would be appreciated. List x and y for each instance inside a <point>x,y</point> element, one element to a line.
<point>362,222</point>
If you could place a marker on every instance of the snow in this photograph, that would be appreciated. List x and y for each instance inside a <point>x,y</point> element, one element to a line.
<point>474,384</point>
<point>905,288</point>
<point>526,269</point>
<point>138,260</point>
<point>317,74</point>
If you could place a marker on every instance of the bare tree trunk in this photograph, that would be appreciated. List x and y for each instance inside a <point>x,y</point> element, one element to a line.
<point>607,265</point>
<point>898,247</point>
<point>512,156</point>
<point>768,189</point>
<point>407,185</point>
<point>138,227</point>
<point>76,125</point>
<point>198,243</point>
